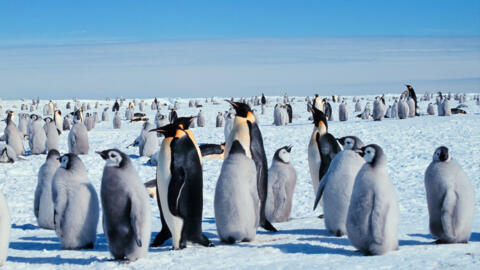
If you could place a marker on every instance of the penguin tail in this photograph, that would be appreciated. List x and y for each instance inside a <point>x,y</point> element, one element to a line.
<point>268,226</point>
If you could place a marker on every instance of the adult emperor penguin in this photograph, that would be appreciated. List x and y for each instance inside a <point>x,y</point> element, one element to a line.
<point>282,179</point>
<point>236,202</point>
<point>75,202</point>
<point>57,117</point>
<point>247,132</point>
<point>180,186</point>
<point>4,229</point>
<point>12,135</point>
<point>126,209</point>
<point>337,184</point>
<point>78,135</point>
<point>43,203</point>
<point>321,148</point>
<point>372,219</point>
<point>412,95</point>
<point>450,199</point>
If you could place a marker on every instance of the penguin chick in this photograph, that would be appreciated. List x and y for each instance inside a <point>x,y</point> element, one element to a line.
<point>43,203</point>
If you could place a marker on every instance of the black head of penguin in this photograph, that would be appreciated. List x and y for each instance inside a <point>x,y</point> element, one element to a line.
<point>48,119</point>
<point>351,142</point>
<point>53,153</point>
<point>67,161</point>
<point>184,122</point>
<point>114,157</point>
<point>373,155</point>
<point>319,118</point>
<point>281,152</point>
<point>10,117</point>
<point>168,131</point>
<point>241,109</point>
<point>441,154</point>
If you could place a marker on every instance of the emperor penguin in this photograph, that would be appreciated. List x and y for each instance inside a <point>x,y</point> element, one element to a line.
<point>394,109</point>
<point>372,219</point>
<point>12,135</point>
<point>282,180</point>
<point>336,185</point>
<point>403,110</point>
<point>4,229</point>
<point>78,135</point>
<point>105,114</point>
<point>220,122</point>
<point>58,119</point>
<point>117,122</point>
<point>52,134</point>
<point>413,96</point>
<point>411,107</point>
<point>51,108</point>
<point>446,108</point>
<point>126,208</point>
<point>289,109</point>
<point>7,154</point>
<point>378,110</point>
<point>161,120</point>
<point>236,202</point>
<point>321,148</point>
<point>358,106</point>
<point>180,186</point>
<point>430,109</point>
<point>317,103</point>
<point>148,141</point>
<point>201,119</point>
<point>450,199</point>
<point>172,117</point>
<point>43,203</point>
<point>66,123</point>
<point>343,111</point>
<point>22,123</point>
<point>248,134</point>
<point>229,120</point>
<point>76,208</point>
<point>37,137</point>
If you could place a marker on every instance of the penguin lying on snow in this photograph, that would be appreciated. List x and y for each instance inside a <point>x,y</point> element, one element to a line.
<point>372,219</point>
<point>450,199</point>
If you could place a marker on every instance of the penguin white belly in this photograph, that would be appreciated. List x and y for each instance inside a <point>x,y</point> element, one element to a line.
<point>175,224</point>
<point>314,161</point>
<point>46,209</point>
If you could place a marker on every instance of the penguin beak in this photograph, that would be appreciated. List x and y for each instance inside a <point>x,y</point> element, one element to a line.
<point>157,130</point>
<point>360,151</point>
<point>233,103</point>
<point>289,148</point>
<point>103,154</point>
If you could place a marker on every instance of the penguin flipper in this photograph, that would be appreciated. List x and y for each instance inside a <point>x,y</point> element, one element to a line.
<point>377,221</point>
<point>175,190</point>
<point>448,209</point>
<point>320,190</point>
<point>165,233</point>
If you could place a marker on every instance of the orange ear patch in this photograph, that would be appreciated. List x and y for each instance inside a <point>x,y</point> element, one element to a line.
<point>251,117</point>
<point>180,133</point>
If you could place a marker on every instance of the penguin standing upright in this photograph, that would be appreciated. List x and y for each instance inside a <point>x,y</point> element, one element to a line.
<point>78,135</point>
<point>180,186</point>
<point>236,202</point>
<point>117,122</point>
<point>220,121</point>
<point>172,117</point>
<point>200,119</point>
<point>126,209</point>
<point>372,219</point>
<point>37,137</point>
<point>411,94</point>
<point>229,120</point>
<point>75,202</point>
<point>378,110</point>
<point>4,229</point>
<point>52,134</point>
<point>282,179</point>
<point>337,184</point>
<point>43,203</point>
<point>66,123</point>
<point>450,199</point>
<point>343,111</point>
<point>13,136</point>
<point>247,132</point>
<point>430,109</point>
<point>57,117</point>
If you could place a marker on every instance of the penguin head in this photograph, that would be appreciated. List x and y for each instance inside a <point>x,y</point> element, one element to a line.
<point>319,118</point>
<point>373,155</point>
<point>78,116</point>
<point>184,122</point>
<point>113,157</point>
<point>168,130</point>
<point>48,119</point>
<point>68,161</point>
<point>351,143</point>
<point>441,154</point>
<point>53,154</point>
<point>241,109</point>
<point>33,117</point>
<point>10,117</point>
<point>283,154</point>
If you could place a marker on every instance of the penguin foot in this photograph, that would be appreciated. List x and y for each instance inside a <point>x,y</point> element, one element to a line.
<point>161,237</point>
<point>229,241</point>
<point>320,216</point>
<point>339,233</point>
<point>269,227</point>
<point>204,241</point>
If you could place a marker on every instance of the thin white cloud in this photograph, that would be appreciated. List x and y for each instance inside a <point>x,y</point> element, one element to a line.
<point>241,67</point>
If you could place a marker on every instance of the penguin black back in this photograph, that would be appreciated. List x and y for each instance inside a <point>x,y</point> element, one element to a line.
<point>328,148</point>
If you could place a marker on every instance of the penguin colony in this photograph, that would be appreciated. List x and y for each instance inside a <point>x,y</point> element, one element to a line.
<point>349,179</point>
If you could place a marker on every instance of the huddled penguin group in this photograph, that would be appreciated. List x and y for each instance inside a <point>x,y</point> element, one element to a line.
<point>349,179</point>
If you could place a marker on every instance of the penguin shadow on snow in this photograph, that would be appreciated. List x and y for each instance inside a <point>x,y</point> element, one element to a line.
<point>133,156</point>
<point>307,248</point>
<point>53,243</point>
<point>57,260</point>
<point>25,227</point>
<point>316,232</point>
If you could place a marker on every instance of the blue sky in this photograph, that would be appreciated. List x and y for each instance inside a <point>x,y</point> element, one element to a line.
<point>222,47</point>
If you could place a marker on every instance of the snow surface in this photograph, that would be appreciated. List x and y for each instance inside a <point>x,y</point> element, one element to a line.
<point>300,243</point>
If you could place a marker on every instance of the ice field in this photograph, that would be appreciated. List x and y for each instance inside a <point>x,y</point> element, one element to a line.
<point>301,243</point>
